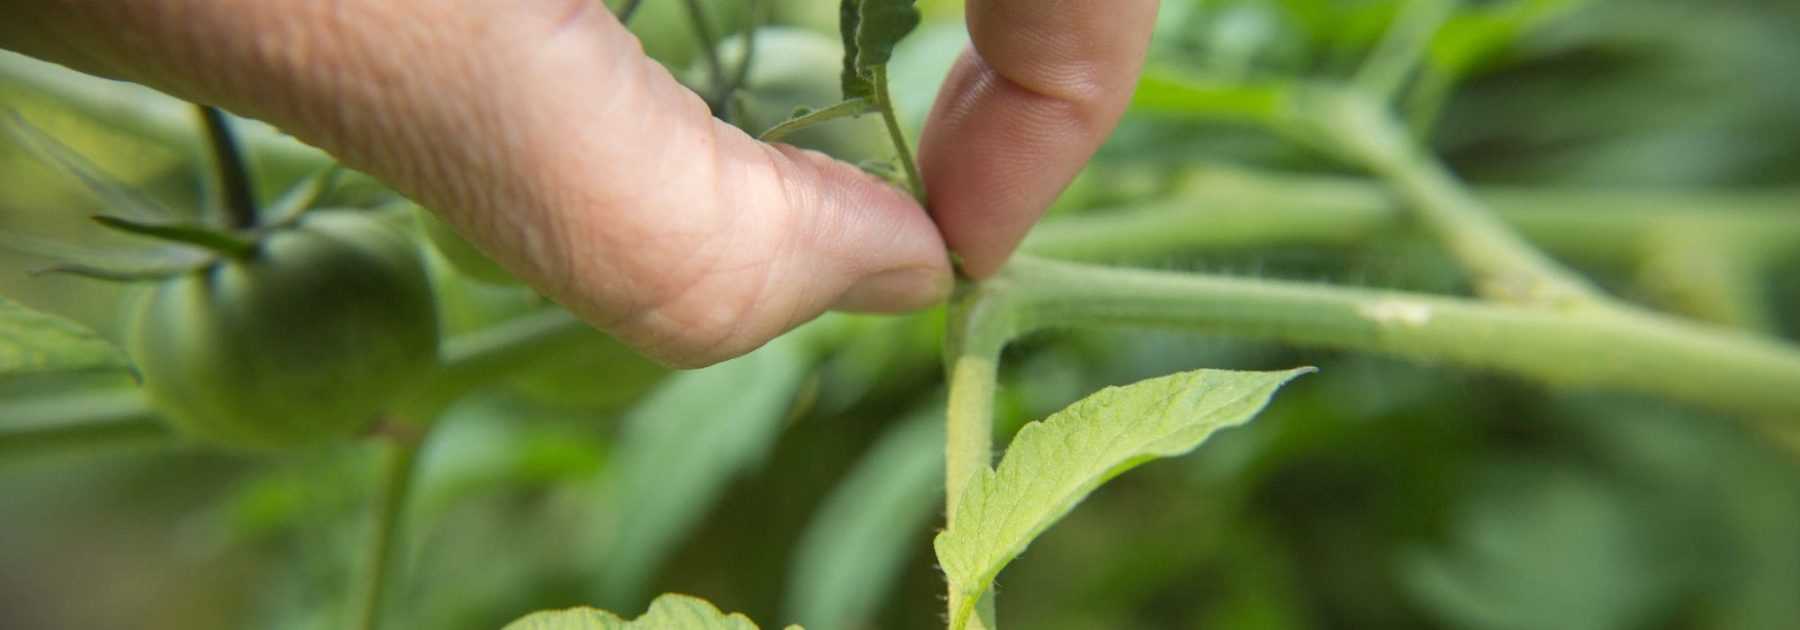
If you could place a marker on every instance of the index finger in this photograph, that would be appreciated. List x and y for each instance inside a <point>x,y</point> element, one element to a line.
<point>1043,84</point>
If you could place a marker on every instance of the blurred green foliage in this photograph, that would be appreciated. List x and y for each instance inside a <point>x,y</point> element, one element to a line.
<point>1376,494</point>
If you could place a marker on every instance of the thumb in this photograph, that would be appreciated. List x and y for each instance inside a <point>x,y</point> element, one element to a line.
<point>541,132</point>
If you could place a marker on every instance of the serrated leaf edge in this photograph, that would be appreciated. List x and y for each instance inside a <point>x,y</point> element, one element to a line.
<point>971,589</point>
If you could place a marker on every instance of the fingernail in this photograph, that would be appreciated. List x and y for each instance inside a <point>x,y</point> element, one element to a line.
<point>896,290</point>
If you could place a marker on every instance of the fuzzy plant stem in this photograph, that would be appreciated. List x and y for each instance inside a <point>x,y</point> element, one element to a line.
<point>1750,375</point>
<point>885,104</point>
<point>1504,266</point>
<point>982,321</point>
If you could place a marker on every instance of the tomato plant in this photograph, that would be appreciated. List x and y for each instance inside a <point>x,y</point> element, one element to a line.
<point>1443,314</point>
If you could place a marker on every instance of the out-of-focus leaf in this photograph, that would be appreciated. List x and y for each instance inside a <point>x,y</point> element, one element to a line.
<point>1473,36</point>
<point>33,342</point>
<point>1168,92</point>
<point>855,547</point>
<point>919,66</point>
<point>598,374</point>
<point>669,612</point>
<point>1553,549</point>
<point>1053,464</point>
<point>681,447</point>
<point>77,420</point>
<point>1725,494</point>
<point>880,354</point>
<point>122,199</point>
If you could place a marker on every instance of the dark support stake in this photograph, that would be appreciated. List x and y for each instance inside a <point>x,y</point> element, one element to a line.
<point>235,189</point>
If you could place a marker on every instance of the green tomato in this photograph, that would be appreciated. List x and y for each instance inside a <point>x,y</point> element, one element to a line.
<point>462,255</point>
<point>310,339</point>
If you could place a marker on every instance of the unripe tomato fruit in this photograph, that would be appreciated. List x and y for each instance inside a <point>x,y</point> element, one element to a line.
<point>309,339</point>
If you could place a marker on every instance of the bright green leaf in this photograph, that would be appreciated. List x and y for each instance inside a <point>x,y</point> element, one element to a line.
<point>1052,465</point>
<point>682,446</point>
<point>669,612</point>
<point>32,342</point>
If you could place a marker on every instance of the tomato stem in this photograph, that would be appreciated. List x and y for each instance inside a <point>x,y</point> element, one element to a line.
<point>1385,71</point>
<point>236,190</point>
<point>885,104</point>
<point>982,321</point>
<point>1603,348</point>
<point>1505,267</point>
<point>398,471</point>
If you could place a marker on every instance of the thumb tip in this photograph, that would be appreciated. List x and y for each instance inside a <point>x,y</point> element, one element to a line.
<point>897,290</point>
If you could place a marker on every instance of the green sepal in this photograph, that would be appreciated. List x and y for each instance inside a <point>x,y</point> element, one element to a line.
<point>208,238</point>
<point>107,274</point>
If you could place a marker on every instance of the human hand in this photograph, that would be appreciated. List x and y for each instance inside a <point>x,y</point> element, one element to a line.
<point>541,131</point>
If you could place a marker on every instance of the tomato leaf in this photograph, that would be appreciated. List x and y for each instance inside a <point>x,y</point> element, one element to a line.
<point>1053,464</point>
<point>119,197</point>
<point>882,25</point>
<point>871,29</point>
<point>669,612</point>
<point>804,119</point>
<point>855,84</point>
<point>32,342</point>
